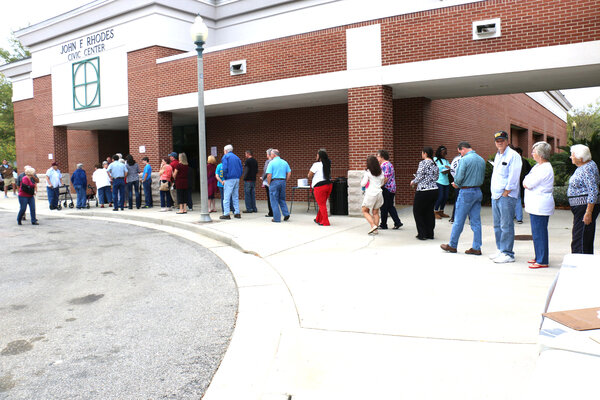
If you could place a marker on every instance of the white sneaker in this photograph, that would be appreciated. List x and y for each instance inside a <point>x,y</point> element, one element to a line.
<point>497,254</point>
<point>504,258</point>
<point>163,210</point>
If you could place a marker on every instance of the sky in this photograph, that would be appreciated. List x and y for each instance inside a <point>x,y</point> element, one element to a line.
<point>17,14</point>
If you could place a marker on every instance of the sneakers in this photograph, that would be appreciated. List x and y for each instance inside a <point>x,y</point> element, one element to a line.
<point>497,254</point>
<point>503,259</point>
<point>448,248</point>
<point>163,209</point>
<point>473,252</point>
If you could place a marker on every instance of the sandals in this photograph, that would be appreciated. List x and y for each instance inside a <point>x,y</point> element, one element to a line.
<point>185,212</point>
<point>536,266</point>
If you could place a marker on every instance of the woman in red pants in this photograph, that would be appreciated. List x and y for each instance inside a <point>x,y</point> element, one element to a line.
<point>320,173</point>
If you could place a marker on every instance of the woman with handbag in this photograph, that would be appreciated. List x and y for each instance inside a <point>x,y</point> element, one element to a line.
<point>27,192</point>
<point>166,176</point>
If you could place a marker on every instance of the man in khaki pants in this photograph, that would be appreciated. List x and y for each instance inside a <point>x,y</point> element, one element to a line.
<point>7,174</point>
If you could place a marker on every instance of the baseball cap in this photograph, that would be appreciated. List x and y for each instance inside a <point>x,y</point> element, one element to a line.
<point>501,135</point>
<point>173,154</point>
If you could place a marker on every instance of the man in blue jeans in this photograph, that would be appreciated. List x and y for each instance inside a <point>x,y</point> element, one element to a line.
<point>505,194</point>
<point>117,171</point>
<point>232,171</point>
<point>468,178</point>
<point>53,182</point>
<point>278,172</point>
<point>147,182</point>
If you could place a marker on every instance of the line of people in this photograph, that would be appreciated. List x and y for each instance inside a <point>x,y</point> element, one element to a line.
<point>538,185</point>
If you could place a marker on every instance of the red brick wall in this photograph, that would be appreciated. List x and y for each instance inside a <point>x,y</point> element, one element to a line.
<point>370,125</point>
<point>421,122</point>
<point>410,124</point>
<point>148,127</point>
<point>426,35</point>
<point>297,133</point>
<point>446,32</point>
<point>25,139</point>
<point>300,55</point>
<point>475,119</point>
<point>83,148</point>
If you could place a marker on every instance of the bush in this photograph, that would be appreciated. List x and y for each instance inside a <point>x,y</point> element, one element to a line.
<point>560,196</point>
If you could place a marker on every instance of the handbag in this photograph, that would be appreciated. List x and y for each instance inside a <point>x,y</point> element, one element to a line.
<point>30,190</point>
<point>164,186</point>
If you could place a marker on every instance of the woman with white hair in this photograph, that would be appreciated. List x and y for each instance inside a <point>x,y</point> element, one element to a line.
<point>27,191</point>
<point>584,199</point>
<point>539,202</point>
<point>79,181</point>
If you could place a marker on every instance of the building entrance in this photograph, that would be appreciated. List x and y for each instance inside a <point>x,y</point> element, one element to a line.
<point>185,140</point>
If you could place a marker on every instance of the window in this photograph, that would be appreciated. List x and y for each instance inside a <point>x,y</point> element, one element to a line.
<point>86,84</point>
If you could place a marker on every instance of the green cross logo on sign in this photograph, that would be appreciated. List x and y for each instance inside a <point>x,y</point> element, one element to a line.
<point>86,84</point>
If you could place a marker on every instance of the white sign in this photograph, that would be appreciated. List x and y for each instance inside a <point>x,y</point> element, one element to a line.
<point>142,149</point>
<point>50,156</point>
<point>213,151</point>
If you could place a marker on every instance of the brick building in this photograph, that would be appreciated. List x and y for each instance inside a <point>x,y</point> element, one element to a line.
<point>121,76</point>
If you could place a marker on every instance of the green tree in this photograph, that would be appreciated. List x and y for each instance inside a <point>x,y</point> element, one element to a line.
<point>7,124</point>
<point>583,123</point>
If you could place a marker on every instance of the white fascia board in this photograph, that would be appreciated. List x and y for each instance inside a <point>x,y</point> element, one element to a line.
<point>92,114</point>
<point>16,68</point>
<point>102,11</point>
<point>540,58</point>
<point>549,103</point>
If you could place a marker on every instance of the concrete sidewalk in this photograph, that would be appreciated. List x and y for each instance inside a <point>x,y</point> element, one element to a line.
<point>333,313</point>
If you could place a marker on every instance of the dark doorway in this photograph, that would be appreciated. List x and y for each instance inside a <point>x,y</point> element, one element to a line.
<point>185,140</point>
<point>112,142</point>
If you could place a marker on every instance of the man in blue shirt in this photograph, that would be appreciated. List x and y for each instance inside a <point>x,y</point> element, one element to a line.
<point>505,194</point>
<point>147,182</point>
<point>278,172</point>
<point>53,181</point>
<point>117,172</point>
<point>468,178</point>
<point>232,171</point>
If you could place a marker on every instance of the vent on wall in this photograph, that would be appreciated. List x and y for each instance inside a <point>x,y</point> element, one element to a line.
<point>486,29</point>
<point>237,67</point>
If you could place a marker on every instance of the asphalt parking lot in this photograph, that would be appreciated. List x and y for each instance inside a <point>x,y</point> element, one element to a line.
<point>100,310</point>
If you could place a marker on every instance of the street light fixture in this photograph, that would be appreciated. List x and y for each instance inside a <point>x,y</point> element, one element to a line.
<point>574,125</point>
<point>199,32</point>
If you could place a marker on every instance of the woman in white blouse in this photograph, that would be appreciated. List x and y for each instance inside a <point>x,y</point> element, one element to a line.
<point>539,201</point>
<point>372,181</point>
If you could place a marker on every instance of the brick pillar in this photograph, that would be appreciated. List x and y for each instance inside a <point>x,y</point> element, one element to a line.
<point>147,127</point>
<point>61,153</point>
<point>370,128</point>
